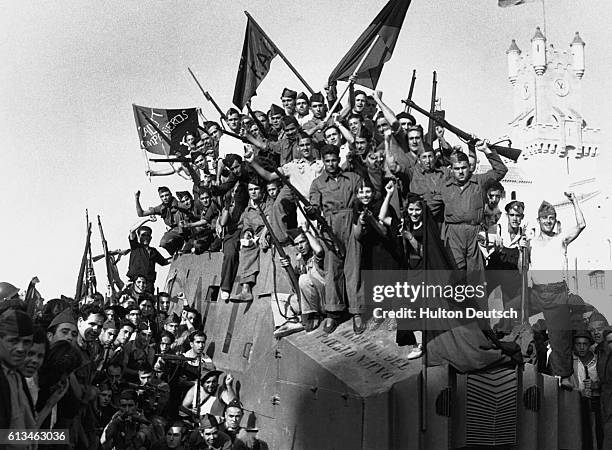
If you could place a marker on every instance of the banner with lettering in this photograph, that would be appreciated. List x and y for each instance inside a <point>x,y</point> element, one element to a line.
<point>163,131</point>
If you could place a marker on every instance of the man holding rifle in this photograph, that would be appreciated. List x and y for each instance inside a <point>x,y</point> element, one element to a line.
<point>332,194</point>
<point>301,173</point>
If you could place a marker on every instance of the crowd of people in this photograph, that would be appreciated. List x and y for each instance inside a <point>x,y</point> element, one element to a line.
<point>361,189</point>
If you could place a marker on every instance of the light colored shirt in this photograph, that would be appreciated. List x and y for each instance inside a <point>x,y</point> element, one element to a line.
<point>547,259</point>
<point>302,173</point>
<point>228,144</point>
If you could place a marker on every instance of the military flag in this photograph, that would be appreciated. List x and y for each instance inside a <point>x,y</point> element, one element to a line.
<point>174,124</point>
<point>257,53</point>
<point>382,33</point>
<point>506,3</point>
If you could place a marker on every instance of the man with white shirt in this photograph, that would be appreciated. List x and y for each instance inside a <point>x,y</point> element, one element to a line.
<point>548,253</point>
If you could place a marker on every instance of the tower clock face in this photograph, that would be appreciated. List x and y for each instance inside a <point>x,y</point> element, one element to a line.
<point>561,87</point>
<point>526,91</point>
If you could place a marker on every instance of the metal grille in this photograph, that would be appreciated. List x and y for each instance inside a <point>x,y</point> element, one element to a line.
<point>491,408</point>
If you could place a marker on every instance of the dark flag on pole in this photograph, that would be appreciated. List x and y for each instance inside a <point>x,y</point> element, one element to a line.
<point>173,123</point>
<point>257,54</point>
<point>386,25</point>
<point>506,3</point>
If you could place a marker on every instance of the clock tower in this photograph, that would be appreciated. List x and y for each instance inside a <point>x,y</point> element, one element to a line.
<point>547,89</point>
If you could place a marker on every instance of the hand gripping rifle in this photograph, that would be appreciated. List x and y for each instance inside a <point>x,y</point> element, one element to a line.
<point>281,252</point>
<point>506,152</point>
<point>333,243</point>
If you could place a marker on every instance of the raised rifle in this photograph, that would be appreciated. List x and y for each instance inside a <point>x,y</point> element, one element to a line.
<point>208,97</point>
<point>432,108</point>
<point>524,282</point>
<point>506,152</point>
<point>109,268</point>
<point>333,243</point>
<point>411,90</point>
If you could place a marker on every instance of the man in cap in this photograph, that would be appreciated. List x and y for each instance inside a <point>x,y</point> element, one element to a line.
<point>505,263</point>
<point>143,257</point>
<point>301,172</point>
<point>549,292</point>
<point>212,397</point>
<point>232,417</point>
<point>314,127</point>
<point>168,209</point>
<point>16,339</point>
<point>302,109</point>
<point>288,98</point>
<point>333,194</point>
<point>275,113</point>
<point>586,380</point>
<point>213,438</point>
<point>63,327</point>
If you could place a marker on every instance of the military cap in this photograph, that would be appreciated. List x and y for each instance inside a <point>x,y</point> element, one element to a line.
<point>144,327</point>
<point>235,404</point>
<point>405,115</point>
<point>546,209</point>
<point>317,97</point>
<point>288,93</point>
<point>8,291</point>
<point>584,334</point>
<point>210,374</point>
<point>66,316</point>
<point>288,120</point>
<point>276,110</point>
<point>16,322</point>
<point>598,317</point>
<point>303,96</point>
<point>208,421</point>
<point>515,204</point>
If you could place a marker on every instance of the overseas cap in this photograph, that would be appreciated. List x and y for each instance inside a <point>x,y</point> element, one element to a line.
<point>276,110</point>
<point>546,209</point>
<point>317,97</point>
<point>288,93</point>
<point>208,421</point>
<point>65,316</point>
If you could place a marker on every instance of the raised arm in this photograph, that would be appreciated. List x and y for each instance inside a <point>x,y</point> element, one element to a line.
<point>345,132</point>
<point>141,212</point>
<point>138,224</point>
<point>263,173</point>
<point>580,222</point>
<point>383,215</point>
<point>387,112</point>
<point>498,168</point>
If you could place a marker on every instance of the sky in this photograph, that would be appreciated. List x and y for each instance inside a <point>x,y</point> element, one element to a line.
<point>72,69</point>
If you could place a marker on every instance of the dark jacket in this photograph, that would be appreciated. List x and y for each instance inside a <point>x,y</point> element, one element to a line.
<point>5,403</point>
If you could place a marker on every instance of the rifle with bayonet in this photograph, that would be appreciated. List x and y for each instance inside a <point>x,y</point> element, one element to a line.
<point>431,131</point>
<point>506,152</point>
<point>410,91</point>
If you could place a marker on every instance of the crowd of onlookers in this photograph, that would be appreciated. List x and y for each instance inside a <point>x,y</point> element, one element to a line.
<point>361,189</point>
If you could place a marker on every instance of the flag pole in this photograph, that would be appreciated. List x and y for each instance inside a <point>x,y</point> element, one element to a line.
<point>352,77</point>
<point>544,16</point>
<point>284,58</point>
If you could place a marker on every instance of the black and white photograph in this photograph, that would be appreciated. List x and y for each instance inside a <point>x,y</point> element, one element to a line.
<point>306,225</point>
